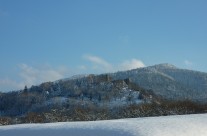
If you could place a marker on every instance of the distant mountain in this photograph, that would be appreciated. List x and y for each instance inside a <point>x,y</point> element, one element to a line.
<point>169,81</point>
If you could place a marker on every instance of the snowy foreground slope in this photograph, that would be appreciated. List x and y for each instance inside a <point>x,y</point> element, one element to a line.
<point>184,125</point>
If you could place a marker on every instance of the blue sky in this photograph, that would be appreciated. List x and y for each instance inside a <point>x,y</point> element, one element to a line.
<point>44,40</point>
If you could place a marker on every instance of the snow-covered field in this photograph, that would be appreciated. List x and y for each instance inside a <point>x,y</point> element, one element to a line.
<point>184,125</point>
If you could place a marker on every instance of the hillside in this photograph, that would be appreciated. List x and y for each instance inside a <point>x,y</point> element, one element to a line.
<point>151,91</point>
<point>88,98</point>
<point>169,81</point>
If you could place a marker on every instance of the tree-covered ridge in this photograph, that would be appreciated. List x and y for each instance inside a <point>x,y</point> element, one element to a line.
<point>90,91</point>
<point>169,81</point>
<point>151,91</point>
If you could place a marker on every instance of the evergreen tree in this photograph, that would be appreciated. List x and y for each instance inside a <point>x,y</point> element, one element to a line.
<point>25,89</point>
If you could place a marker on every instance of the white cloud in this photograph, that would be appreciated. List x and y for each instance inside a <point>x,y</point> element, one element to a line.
<point>131,64</point>
<point>99,63</point>
<point>8,84</point>
<point>82,67</point>
<point>188,63</point>
<point>29,75</point>
<point>102,65</point>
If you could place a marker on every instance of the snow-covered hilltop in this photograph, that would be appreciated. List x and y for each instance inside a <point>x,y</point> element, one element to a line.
<point>169,81</point>
<point>185,125</point>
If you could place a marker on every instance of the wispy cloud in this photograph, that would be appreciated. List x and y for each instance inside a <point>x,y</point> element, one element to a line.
<point>98,63</point>
<point>82,67</point>
<point>7,84</point>
<point>102,65</point>
<point>132,64</point>
<point>188,63</point>
<point>29,75</point>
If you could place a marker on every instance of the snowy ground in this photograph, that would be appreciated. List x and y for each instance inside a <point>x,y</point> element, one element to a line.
<point>184,125</point>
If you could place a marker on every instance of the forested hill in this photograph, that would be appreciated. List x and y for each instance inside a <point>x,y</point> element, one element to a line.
<point>150,91</point>
<point>169,81</point>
